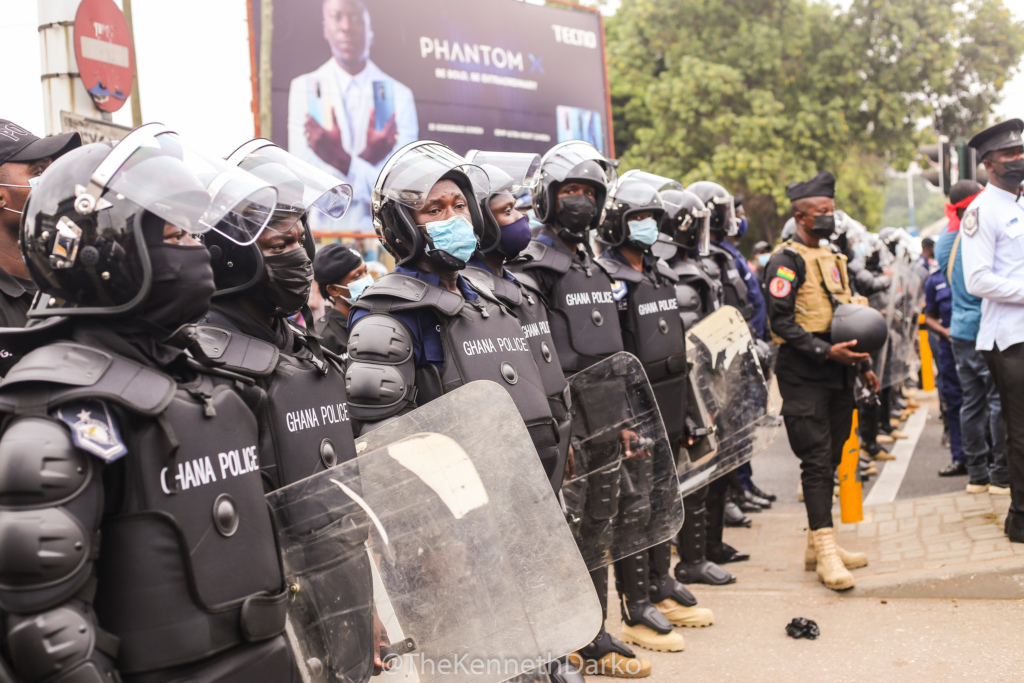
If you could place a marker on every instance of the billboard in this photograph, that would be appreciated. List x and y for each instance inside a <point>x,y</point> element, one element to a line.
<point>355,80</point>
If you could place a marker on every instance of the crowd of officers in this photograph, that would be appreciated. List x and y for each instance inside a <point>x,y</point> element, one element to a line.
<point>148,293</point>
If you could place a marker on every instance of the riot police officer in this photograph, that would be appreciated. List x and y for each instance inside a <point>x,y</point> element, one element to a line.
<point>645,293</point>
<point>816,378</point>
<point>699,292</point>
<point>342,277</point>
<point>573,184</point>
<point>508,174</point>
<point>132,440</point>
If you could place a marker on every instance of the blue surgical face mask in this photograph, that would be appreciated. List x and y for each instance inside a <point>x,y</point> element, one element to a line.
<point>454,235</point>
<point>357,287</point>
<point>763,259</point>
<point>644,231</point>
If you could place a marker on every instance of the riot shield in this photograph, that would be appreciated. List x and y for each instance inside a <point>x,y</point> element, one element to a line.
<point>729,406</point>
<point>453,509</point>
<point>898,360</point>
<point>622,496</point>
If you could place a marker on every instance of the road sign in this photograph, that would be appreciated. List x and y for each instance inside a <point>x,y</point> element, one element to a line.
<point>104,51</point>
<point>92,130</point>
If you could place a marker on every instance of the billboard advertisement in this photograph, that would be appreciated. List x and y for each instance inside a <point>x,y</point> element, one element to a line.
<point>355,80</point>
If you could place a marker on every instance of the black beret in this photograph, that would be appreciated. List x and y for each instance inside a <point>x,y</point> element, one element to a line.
<point>821,185</point>
<point>1000,136</point>
<point>332,263</point>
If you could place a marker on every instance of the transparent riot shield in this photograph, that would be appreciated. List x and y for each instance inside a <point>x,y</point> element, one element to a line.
<point>899,359</point>
<point>729,404</point>
<point>479,578</point>
<point>622,495</point>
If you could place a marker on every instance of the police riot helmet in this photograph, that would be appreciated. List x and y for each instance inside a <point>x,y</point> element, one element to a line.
<point>573,161</point>
<point>512,173</point>
<point>686,221</point>
<point>863,323</point>
<point>720,203</point>
<point>630,196</point>
<point>82,233</point>
<point>301,190</point>
<point>403,187</point>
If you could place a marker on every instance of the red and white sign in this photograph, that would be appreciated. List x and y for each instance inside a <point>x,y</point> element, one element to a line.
<point>105,54</point>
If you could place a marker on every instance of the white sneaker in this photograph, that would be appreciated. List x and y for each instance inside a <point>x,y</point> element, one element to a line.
<point>977,488</point>
<point>994,490</point>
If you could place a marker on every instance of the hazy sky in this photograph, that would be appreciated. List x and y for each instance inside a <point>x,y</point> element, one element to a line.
<point>194,75</point>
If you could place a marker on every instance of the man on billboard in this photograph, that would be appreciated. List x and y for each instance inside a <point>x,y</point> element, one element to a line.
<point>348,116</point>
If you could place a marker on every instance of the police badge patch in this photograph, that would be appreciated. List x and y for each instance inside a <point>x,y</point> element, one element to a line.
<point>970,223</point>
<point>93,428</point>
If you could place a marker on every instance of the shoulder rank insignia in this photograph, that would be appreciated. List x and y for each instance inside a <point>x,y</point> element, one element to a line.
<point>93,428</point>
<point>619,290</point>
<point>970,224</point>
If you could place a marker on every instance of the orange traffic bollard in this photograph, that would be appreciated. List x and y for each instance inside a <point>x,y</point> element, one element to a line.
<point>927,368</point>
<point>851,497</point>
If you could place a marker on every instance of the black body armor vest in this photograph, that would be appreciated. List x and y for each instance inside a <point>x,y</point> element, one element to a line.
<point>734,289</point>
<point>482,340</point>
<point>189,566</point>
<point>332,329</point>
<point>584,318</point>
<point>653,332</point>
<point>697,294</point>
<point>308,428</point>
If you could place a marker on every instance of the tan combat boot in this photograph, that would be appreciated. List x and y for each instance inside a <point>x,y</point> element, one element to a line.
<point>649,639</point>
<point>850,560</point>
<point>830,568</point>
<point>612,664</point>
<point>686,617</point>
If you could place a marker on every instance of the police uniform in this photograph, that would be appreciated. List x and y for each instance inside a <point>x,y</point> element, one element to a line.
<point>331,265</point>
<point>817,393</point>
<point>939,302</point>
<point>332,328</point>
<point>993,260</point>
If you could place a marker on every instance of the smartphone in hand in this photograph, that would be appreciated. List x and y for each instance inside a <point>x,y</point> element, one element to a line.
<point>317,103</point>
<point>383,103</point>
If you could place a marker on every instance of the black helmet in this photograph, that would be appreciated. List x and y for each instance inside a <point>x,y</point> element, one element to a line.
<point>788,230</point>
<point>630,196</point>
<point>403,185</point>
<point>514,173</point>
<point>82,232</point>
<point>721,205</point>
<point>300,187</point>
<point>863,323</point>
<point>686,220</point>
<point>573,161</point>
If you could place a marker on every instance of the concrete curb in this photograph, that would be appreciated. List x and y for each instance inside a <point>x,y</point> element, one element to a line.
<point>990,580</point>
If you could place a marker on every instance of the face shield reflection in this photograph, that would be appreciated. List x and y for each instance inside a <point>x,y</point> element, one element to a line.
<point>517,171</point>
<point>409,175</point>
<point>561,159</point>
<point>155,169</point>
<point>659,183</point>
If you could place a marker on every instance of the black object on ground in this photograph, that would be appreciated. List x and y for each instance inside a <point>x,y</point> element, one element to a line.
<point>802,628</point>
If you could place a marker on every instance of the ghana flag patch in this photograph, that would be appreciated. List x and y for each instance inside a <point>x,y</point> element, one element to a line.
<point>786,273</point>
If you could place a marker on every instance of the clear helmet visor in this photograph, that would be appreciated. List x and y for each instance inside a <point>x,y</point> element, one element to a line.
<point>412,172</point>
<point>509,172</point>
<point>562,159</point>
<point>300,186</point>
<point>659,183</point>
<point>637,194</point>
<point>154,168</point>
<point>724,209</point>
<point>704,241</point>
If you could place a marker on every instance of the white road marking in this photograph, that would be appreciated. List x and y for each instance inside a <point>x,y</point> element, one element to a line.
<point>891,477</point>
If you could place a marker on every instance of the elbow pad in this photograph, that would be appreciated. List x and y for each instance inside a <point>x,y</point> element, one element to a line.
<point>51,504</point>
<point>381,375</point>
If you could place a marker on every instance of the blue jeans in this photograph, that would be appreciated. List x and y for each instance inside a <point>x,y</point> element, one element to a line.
<point>981,405</point>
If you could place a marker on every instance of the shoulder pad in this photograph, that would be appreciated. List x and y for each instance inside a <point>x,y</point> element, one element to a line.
<point>547,257</point>
<point>65,371</point>
<point>791,251</point>
<point>238,352</point>
<point>666,270</point>
<point>528,281</point>
<point>398,292</point>
<point>619,271</point>
<point>380,377</point>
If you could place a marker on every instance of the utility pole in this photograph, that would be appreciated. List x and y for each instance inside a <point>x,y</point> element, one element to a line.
<point>62,88</point>
<point>136,101</point>
<point>910,196</point>
<point>266,37</point>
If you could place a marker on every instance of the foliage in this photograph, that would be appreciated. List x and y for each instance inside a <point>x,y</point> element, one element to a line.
<point>756,94</point>
<point>929,204</point>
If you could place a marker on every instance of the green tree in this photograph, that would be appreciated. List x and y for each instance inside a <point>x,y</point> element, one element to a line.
<point>756,94</point>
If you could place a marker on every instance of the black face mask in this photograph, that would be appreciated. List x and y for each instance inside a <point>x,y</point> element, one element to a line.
<point>575,214</point>
<point>289,281</point>
<point>1013,172</point>
<point>182,285</point>
<point>824,226</point>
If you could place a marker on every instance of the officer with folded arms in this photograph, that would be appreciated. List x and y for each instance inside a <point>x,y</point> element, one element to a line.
<point>816,377</point>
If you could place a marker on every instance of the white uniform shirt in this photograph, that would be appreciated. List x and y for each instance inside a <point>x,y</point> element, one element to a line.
<point>993,256</point>
<point>351,99</point>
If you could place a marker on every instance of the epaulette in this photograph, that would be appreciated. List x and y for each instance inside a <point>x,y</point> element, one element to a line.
<point>399,292</point>
<point>238,352</point>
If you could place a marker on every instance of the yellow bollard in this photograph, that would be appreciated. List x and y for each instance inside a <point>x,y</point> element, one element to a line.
<point>927,368</point>
<point>851,497</point>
